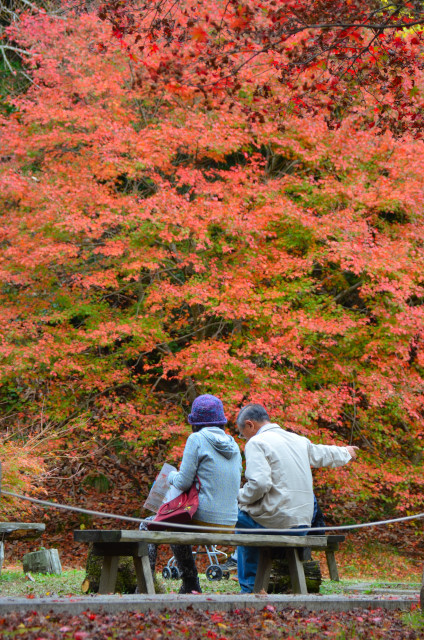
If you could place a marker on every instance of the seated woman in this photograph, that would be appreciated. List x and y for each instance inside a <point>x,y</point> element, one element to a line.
<point>214,457</point>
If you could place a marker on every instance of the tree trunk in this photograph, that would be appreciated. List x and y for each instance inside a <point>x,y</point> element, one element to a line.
<point>43,561</point>
<point>280,577</point>
<point>126,581</point>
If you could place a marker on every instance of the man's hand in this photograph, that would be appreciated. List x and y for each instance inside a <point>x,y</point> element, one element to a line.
<point>352,451</point>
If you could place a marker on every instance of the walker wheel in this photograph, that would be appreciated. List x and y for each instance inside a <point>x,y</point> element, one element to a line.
<point>175,573</point>
<point>214,572</point>
<point>166,573</point>
<point>226,575</point>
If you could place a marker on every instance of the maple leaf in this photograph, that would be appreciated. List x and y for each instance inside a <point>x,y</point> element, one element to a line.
<point>198,34</point>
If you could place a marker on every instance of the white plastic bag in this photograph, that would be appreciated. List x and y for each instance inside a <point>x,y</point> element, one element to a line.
<point>172,493</point>
<point>159,489</point>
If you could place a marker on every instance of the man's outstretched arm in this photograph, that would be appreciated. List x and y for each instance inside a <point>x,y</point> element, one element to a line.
<point>323,455</point>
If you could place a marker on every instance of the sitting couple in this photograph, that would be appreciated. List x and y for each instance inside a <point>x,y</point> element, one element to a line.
<point>278,492</point>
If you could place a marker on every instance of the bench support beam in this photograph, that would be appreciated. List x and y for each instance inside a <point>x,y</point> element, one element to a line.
<point>264,570</point>
<point>297,573</point>
<point>109,574</point>
<point>111,554</point>
<point>332,565</point>
<point>144,575</point>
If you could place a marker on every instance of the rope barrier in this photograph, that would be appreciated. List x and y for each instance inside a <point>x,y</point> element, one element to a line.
<point>56,505</point>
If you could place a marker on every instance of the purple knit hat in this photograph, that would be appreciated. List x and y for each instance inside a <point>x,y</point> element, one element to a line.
<point>207,409</point>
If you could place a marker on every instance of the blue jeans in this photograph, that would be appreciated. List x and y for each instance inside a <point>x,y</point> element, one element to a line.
<point>248,557</point>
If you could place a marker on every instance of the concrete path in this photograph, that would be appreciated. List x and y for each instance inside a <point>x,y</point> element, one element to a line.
<point>143,603</point>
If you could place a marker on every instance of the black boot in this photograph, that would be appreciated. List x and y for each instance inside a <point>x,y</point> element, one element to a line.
<point>188,586</point>
<point>183,554</point>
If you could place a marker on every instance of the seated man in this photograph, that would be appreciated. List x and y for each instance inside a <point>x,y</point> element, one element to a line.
<point>278,493</point>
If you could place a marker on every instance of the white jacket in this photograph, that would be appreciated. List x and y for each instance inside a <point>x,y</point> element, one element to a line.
<point>279,491</point>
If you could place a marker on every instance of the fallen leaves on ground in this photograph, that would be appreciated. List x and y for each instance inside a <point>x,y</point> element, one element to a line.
<point>218,625</point>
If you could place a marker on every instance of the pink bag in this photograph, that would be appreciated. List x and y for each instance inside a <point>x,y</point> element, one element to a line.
<point>180,510</point>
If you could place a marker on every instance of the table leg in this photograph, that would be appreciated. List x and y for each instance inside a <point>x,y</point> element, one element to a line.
<point>332,565</point>
<point>144,574</point>
<point>297,573</point>
<point>264,570</point>
<point>109,574</point>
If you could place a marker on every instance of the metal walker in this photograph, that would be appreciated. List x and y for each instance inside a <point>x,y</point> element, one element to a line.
<point>213,572</point>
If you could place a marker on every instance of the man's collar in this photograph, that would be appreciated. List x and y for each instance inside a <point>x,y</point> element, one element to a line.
<point>265,427</point>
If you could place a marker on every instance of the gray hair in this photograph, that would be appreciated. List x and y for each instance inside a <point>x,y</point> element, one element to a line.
<point>254,412</point>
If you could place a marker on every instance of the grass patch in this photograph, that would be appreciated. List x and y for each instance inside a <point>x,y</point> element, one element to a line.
<point>329,588</point>
<point>17,583</point>
<point>208,586</point>
<point>415,620</point>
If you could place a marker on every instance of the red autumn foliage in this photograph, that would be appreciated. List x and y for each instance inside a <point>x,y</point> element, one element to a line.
<point>334,57</point>
<point>159,241</point>
<point>268,623</point>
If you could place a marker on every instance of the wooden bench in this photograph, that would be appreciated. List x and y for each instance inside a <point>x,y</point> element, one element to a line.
<point>115,543</point>
<point>17,530</point>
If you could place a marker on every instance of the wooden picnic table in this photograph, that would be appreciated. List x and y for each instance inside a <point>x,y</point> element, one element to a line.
<point>111,544</point>
<point>17,530</point>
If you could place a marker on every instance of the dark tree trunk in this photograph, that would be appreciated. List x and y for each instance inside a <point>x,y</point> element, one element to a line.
<point>280,576</point>
<point>126,581</point>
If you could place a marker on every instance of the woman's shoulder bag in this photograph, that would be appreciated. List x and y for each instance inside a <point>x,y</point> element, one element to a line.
<point>180,510</point>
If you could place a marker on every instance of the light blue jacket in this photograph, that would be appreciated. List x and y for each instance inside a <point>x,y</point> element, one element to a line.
<point>214,456</point>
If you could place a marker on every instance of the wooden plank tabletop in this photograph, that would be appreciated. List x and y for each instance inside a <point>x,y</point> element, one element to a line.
<point>335,538</point>
<point>22,528</point>
<point>228,539</point>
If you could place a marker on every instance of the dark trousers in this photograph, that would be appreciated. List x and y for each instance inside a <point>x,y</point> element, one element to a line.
<point>248,557</point>
<point>183,555</point>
